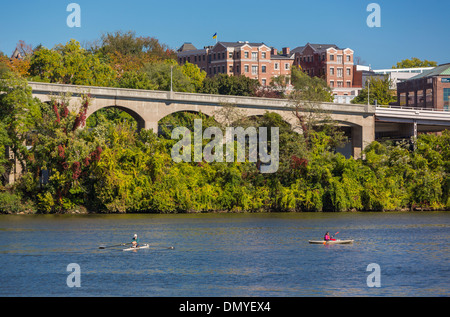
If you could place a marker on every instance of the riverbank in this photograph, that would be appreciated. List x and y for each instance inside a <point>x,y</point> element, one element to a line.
<point>80,210</point>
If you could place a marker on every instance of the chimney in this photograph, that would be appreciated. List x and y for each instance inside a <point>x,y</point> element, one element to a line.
<point>274,51</point>
<point>286,50</point>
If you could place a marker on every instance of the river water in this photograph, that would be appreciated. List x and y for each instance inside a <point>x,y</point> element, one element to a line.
<point>226,255</point>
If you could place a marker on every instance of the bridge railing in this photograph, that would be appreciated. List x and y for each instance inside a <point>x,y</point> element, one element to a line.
<point>412,108</point>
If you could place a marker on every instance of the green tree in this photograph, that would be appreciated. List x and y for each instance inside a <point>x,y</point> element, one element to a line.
<point>310,88</point>
<point>377,89</point>
<point>128,44</point>
<point>136,80</point>
<point>159,74</point>
<point>224,84</point>
<point>71,64</point>
<point>62,157</point>
<point>413,63</point>
<point>19,112</point>
<point>195,74</point>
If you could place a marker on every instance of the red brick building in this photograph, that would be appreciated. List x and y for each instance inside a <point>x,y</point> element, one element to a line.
<point>261,62</point>
<point>328,61</point>
<point>430,90</point>
<point>254,60</point>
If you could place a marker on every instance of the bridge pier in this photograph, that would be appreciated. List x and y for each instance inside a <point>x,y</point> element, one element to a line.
<point>362,136</point>
<point>151,125</point>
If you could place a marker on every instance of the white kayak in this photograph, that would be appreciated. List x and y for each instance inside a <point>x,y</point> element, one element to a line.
<point>144,246</point>
<point>331,241</point>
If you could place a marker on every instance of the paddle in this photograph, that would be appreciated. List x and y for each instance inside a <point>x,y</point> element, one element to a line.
<point>111,246</point>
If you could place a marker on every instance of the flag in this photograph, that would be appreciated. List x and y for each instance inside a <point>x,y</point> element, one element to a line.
<point>215,36</point>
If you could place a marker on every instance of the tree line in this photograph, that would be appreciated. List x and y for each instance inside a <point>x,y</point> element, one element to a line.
<point>112,168</point>
<point>103,164</point>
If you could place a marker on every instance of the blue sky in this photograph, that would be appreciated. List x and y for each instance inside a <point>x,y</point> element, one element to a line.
<point>409,28</point>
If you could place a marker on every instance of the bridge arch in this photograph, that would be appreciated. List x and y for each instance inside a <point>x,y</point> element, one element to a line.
<point>139,120</point>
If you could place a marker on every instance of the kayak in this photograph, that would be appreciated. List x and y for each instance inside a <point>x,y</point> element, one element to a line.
<point>331,241</point>
<point>144,246</point>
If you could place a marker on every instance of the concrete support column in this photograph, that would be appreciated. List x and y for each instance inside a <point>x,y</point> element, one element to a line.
<point>361,137</point>
<point>151,125</point>
<point>357,142</point>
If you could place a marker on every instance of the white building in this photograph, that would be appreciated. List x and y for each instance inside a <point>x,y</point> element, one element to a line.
<point>397,75</point>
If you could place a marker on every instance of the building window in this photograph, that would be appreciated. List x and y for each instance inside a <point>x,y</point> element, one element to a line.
<point>331,83</point>
<point>246,68</point>
<point>340,72</point>
<point>348,58</point>
<point>446,99</point>
<point>349,84</point>
<point>348,71</point>
<point>254,56</point>
<point>264,81</point>
<point>332,71</point>
<point>263,69</point>
<point>286,66</point>
<point>340,84</point>
<point>339,59</point>
<point>230,68</point>
<point>230,54</point>
<point>246,54</point>
<point>254,69</point>
<point>331,57</point>
<point>263,55</point>
<point>275,66</point>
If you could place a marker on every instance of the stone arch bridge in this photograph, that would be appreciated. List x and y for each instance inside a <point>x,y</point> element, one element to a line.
<point>148,107</point>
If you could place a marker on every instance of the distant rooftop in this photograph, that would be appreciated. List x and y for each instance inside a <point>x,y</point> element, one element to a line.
<point>441,70</point>
<point>187,47</point>
<point>403,70</point>
<point>317,47</point>
<point>239,44</point>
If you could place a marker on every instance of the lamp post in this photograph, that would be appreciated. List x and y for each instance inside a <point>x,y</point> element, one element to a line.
<point>368,92</point>
<point>171,78</point>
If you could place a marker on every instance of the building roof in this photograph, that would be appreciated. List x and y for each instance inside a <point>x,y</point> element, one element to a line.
<point>323,47</point>
<point>441,70</point>
<point>16,54</point>
<point>239,44</point>
<point>280,56</point>
<point>187,47</point>
<point>317,47</point>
